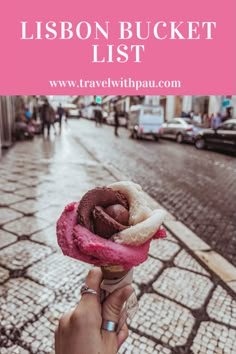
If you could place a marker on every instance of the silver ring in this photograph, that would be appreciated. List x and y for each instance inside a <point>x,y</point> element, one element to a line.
<point>86,290</point>
<point>109,326</point>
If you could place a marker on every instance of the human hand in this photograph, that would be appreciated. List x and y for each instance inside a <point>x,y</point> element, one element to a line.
<point>79,332</point>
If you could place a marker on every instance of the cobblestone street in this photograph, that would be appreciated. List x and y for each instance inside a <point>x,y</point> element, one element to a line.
<point>184,306</point>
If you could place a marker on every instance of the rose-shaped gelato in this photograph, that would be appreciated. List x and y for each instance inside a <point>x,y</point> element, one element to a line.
<point>111,225</point>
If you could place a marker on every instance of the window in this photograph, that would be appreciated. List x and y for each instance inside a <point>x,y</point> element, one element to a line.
<point>226,126</point>
<point>189,121</point>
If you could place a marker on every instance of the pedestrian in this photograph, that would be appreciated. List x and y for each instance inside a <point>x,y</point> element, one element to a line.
<point>216,121</point>
<point>98,116</point>
<point>116,121</point>
<point>60,113</point>
<point>34,114</point>
<point>93,327</point>
<point>47,116</point>
<point>28,114</point>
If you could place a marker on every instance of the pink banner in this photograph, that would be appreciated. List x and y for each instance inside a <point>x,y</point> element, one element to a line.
<point>174,47</point>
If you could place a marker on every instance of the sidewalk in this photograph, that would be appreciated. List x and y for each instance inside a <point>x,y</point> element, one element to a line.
<point>186,292</point>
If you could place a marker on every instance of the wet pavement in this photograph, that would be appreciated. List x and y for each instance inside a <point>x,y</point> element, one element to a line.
<point>197,187</point>
<point>183,306</point>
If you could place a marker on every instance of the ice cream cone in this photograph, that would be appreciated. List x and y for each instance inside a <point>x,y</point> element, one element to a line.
<point>115,277</point>
<point>113,272</point>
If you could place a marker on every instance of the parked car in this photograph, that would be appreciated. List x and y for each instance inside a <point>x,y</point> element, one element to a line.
<point>145,120</point>
<point>123,119</point>
<point>223,137</point>
<point>74,112</point>
<point>181,129</point>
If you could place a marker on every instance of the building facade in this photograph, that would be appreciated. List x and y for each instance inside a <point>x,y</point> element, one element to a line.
<point>174,106</point>
<point>7,119</point>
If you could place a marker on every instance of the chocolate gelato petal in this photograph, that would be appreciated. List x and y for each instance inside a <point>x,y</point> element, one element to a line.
<point>100,196</point>
<point>105,225</point>
<point>118,213</point>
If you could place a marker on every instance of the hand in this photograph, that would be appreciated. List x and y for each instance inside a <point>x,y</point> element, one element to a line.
<point>79,332</point>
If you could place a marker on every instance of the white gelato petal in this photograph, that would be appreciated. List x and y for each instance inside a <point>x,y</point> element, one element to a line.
<point>140,233</point>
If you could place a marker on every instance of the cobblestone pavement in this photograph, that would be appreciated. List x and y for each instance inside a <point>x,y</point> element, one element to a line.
<point>197,187</point>
<point>183,306</point>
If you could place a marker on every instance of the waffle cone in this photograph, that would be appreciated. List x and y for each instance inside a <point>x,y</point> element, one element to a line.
<point>113,272</point>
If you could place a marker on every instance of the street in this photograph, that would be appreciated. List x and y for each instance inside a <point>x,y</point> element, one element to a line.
<point>186,305</point>
<point>197,187</point>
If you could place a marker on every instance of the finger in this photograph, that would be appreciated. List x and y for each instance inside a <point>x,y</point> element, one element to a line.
<point>89,307</point>
<point>64,322</point>
<point>93,281</point>
<point>122,335</point>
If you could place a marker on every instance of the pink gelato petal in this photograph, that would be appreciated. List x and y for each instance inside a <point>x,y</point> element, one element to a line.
<point>109,252</point>
<point>161,233</point>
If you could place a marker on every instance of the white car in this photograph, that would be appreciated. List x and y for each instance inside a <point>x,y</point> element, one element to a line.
<point>74,112</point>
<point>145,120</point>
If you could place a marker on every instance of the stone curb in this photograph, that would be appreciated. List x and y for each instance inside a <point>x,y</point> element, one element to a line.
<point>214,261</point>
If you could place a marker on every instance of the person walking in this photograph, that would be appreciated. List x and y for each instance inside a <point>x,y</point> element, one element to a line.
<point>116,119</point>
<point>28,114</point>
<point>98,115</point>
<point>216,121</point>
<point>47,116</point>
<point>60,113</point>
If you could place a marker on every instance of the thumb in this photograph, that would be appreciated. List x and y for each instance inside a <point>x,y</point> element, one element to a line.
<point>112,308</point>
<point>114,303</point>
